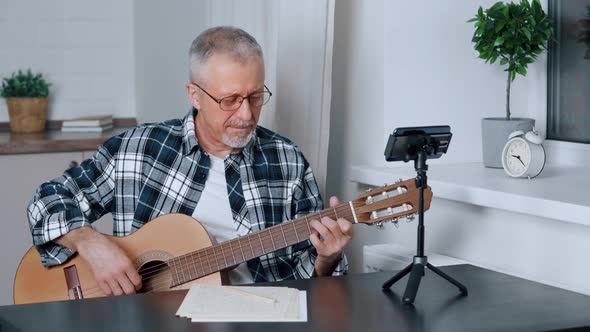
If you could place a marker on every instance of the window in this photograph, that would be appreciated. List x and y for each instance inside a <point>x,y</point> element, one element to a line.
<point>568,104</point>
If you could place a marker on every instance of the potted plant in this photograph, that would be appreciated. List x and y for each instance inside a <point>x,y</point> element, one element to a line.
<point>27,99</point>
<point>515,34</point>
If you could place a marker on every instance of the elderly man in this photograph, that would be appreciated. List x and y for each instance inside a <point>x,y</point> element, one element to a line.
<point>216,165</point>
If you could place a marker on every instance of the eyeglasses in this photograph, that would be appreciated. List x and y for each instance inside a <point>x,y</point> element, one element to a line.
<point>233,102</point>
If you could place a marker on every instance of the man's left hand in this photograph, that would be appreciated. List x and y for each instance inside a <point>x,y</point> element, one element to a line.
<point>329,237</point>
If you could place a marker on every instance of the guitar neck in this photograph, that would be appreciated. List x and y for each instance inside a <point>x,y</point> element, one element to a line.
<point>209,260</point>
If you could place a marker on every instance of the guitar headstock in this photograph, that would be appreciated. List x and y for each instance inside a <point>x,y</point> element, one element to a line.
<point>389,203</point>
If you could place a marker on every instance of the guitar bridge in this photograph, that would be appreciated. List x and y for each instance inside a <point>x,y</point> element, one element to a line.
<point>73,283</point>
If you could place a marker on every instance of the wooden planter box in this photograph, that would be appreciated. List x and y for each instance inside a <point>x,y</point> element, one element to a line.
<point>27,115</point>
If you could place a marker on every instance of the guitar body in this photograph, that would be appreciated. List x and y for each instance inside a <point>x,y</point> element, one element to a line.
<point>175,249</point>
<point>163,238</point>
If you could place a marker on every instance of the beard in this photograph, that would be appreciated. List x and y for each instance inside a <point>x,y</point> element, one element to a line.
<point>239,140</point>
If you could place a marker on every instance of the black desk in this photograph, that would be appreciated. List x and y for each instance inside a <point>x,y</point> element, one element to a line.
<point>496,302</point>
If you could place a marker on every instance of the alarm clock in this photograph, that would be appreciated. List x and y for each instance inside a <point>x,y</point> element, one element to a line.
<point>523,155</point>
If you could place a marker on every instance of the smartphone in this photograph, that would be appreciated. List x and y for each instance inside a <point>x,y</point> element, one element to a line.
<point>405,142</point>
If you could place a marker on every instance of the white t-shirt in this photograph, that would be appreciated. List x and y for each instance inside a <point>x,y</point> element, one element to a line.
<point>214,212</point>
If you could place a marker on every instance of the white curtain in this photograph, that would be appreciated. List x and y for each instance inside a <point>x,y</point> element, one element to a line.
<point>296,37</point>
<point>304,78</point>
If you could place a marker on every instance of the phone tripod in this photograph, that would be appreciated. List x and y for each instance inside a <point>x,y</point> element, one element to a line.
<point>420,261</point>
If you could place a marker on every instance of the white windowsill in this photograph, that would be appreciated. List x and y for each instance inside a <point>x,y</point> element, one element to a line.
<point>559,192</point>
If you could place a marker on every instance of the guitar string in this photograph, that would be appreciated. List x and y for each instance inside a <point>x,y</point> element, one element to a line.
<point>238,250</point>
<point>154,273</point>
<point>199,267</point>
<point>165,282</point>
<point>265,236</point>
<point>341,208</point>
<point>166,285</point>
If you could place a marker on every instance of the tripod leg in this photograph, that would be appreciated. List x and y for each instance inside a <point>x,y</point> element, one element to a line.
<point>445,276</point>
<point>397,277</point>
<point>413,283</point>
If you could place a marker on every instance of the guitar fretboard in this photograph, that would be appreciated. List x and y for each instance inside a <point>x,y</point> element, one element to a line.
<point>209,260</point>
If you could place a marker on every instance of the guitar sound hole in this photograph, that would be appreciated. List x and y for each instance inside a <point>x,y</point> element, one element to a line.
<point>155,277</point>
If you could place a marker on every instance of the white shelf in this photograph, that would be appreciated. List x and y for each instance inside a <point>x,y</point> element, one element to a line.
<point>559,192</point>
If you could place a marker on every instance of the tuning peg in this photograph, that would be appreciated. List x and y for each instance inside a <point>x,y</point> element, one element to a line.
<point>394,220</point>
<point>410,217</point>
<point>379,225</point>
<point>399,180</point>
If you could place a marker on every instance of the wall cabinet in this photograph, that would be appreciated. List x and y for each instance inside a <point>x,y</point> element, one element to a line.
<point>20,175</point>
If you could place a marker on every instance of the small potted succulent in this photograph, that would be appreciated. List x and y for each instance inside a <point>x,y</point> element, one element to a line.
<point>27,100</point>
<point>515,34</point>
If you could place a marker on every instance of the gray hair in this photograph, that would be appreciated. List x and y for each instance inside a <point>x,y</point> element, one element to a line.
<point>235,42</point>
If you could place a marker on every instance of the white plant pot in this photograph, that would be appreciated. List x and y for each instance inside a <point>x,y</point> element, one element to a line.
<point>494,134</point>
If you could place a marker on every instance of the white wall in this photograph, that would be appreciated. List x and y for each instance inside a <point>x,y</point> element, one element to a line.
<point>303,78</point>
<point>540,249</point>
<point>415,66</point>
<point>84,48</point>
<point>431,75</point>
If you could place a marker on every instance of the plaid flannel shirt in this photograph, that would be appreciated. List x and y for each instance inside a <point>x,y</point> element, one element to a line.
<point>156,169</point>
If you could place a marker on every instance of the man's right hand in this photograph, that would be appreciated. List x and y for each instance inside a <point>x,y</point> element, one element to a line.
<point>112,269</point>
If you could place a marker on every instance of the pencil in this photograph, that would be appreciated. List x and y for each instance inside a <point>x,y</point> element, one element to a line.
<point>250,295</point>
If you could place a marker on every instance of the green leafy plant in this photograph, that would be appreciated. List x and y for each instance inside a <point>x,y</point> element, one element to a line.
<point>515,33</point>
<point>24,84</point>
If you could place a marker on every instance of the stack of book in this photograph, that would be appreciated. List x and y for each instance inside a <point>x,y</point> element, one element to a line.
<point>97,123</point>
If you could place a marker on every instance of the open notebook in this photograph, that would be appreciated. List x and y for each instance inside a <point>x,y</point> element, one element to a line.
<point>206,303</point>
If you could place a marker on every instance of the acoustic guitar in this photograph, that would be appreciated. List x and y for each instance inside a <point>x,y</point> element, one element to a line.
<point>174,251</point>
